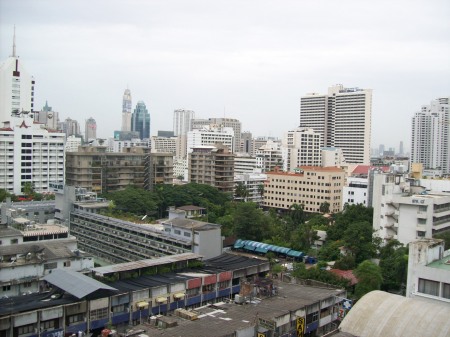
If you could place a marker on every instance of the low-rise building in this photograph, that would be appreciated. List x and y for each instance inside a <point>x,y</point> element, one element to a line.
<point>428,271</point>
<point>310,186</point>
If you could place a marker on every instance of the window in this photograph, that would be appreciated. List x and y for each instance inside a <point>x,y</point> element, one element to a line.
<point>6,288</point>
<point>26,329</point>
<point>428,287</point>
<point>27,285</point>
<point>187,234</point>
<point>76,318</point>
<point>14,241</point>
<point>177,231</point>
<point>445,290</point>
<point>67,264</point>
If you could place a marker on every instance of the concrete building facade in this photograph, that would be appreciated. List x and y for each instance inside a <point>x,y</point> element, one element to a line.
<point>343,119</point>
<point>430,139</point>
<point>310,186</point>
<point>301,147</point>
<point>213,166</point>
<point>29,154</point>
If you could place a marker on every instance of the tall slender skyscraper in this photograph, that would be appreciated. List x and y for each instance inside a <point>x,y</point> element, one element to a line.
<point>140,120</point>
<point>430,140</point>
<point>16,87</point>
<point>126,110</point>
<point>90,131</point>
<point>182,121</point>
<point>343,118</point>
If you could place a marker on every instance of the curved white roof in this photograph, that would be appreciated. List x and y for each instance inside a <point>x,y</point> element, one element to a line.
<point>379,314</point>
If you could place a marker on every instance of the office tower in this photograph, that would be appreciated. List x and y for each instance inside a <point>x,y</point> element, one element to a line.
<point>246,142</point>
<point>30,155</point>
<point>269,156</point>
<point>16,87</point>
<point>430,140</point>
<point>90,130</point>
<point>70,127</point>
<point>301,147</point>
<point>343,119</point>
<point>182,121</point>
<point>381,150</point>
<point>48,117</point>
<point>233,123</point>
<point>126,110</point>
<point>140,120</point>
<point>401,151</point>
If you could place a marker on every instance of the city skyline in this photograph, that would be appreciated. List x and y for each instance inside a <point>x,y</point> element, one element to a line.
<point>249,61</point>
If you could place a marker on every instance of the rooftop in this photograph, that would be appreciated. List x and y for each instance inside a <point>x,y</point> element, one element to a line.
<point>443,263</point>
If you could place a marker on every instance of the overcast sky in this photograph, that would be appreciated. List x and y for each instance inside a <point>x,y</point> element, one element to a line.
<point>250,60</point>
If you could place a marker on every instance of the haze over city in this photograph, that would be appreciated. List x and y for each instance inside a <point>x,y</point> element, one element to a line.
<point>248,60</point>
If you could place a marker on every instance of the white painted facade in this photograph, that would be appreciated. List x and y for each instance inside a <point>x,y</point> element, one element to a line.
<point>182,121</point>
<point>301,147</point>
<point>72,143</point>
<point>30,154</point>
<point>164,144</point>
<point>245,164</point>
<point>126,110</point>
<point>430,140</point>
<point>436,185</point>
<point>343,119</point>
<point>355,191</point>
<point>428,271</point>
<point>404,212</point>
<point>16,88</point>
<point>269,156</point>
<point>210,136</point>
<point>118,145</point>
<point>252,182</point>
<point>332,157</point>
<point>180,168</point>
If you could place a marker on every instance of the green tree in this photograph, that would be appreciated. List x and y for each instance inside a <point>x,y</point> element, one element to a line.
<point>358,237</point>
<point>346,262</point>
<point>250,222</point>
<point>241,192</point>
<point>350,214</point>
<point>444,236</point>
<point>369,278</point>
<point>297,213</point>
<point>394,265</point>
<point>324,207</point>
<point>330,251</point>
<point>261,189</point>
<point>4,194</point>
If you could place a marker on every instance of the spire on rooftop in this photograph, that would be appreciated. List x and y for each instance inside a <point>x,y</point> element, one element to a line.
<point>14,43</point>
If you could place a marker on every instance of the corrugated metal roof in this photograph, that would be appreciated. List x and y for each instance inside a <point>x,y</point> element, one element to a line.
<point>145,263</point>
<point>75,283</point>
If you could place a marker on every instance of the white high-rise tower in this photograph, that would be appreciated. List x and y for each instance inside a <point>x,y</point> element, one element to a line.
<point>16,87</point>
<point>126,110</point>
<point>343,118</point>
<point>430,139</point>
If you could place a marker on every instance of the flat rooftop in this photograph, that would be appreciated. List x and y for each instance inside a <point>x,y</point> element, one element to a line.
<point>443,263</point>
<point>223,319</point>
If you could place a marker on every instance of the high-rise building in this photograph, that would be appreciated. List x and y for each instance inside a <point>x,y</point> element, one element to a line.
<point>301,147</point>
<point>90,129</point>
<point>48,117</point>
<point>430,139</point>
<point>182,121</point>
<point>140,120</point>
<point>126,110</point>
<point>343,118</point>
<point>401,150</point>
<point>233,123</point>
<point>16,87</point>
<point>70,127</point>
<point>30,154</point>
<point>212,165</point>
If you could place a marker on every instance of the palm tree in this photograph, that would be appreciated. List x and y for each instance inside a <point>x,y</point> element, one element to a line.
<point>324,207</point>
<point>241,191</point>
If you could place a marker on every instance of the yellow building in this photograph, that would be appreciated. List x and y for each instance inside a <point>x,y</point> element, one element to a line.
<point>309,186</point>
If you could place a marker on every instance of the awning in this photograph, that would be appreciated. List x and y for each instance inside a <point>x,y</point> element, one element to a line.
<point>247,247</point>
<point>178,295</point>
<point>294,253</point>
<point>261,250</point>
<point>142,304</point>
<point>161,299</point>
<point>238,245</point>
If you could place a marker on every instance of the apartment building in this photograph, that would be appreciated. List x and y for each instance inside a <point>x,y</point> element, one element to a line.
<point>309,186</point>
<point>221,123</point>
<point>210,135</point>
<point>212,165</point>
<point>301,147</point>
<point>244,163</point>
<point>29,154</point>
<point>254,186</point>
<point>93,168</point>
<point>269,156</point>
<point>405,211</point>
<point>164,144</point>
<point>160,169</point>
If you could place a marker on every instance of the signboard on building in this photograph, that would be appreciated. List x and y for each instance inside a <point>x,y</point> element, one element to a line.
<point>300,326</point>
